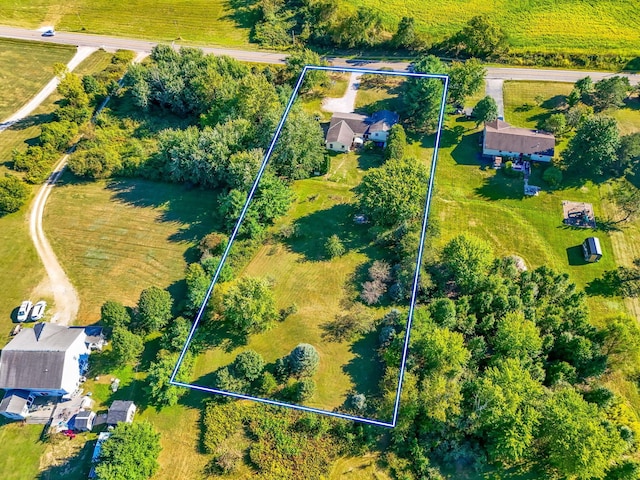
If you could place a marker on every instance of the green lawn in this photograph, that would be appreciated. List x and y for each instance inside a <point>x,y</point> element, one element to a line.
<point>21,450</point>
<point>26,67</point>
<point>194,21</point>
<point>117,238</point>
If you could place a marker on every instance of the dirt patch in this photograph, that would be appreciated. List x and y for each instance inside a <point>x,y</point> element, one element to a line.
<point>578,214</point>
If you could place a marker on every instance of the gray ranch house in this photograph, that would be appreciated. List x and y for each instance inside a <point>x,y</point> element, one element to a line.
<point>503,140</point>
<point>348,130</point>
<point>47,360</point>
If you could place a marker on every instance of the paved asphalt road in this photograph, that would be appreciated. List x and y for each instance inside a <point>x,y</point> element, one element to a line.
<point>112,43</point>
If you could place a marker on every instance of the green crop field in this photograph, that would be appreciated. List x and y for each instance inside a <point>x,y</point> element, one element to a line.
<point>582,26</point>
<point>539,25</point>
<point>26,67</point>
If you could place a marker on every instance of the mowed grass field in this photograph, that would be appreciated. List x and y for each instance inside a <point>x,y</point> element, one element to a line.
<point>475,199</point>
<point>194,21</point>
<point>21,450</point>
<point>582,26</point>
<point>26,67</point>
<point>117,238</point>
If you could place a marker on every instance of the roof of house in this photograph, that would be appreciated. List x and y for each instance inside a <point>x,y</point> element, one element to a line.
<point>14,401</point>
<point>383,120</point>
<point>593,245</point>
<point>119,411</point>
<point>31,370</point>
<point>44,337</point>
<point>499,135</point>
<point>356,122</point>
<point>341,133</point>
<point>35,358</point>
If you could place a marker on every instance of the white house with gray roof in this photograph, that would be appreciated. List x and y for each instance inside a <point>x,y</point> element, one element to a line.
<point>349,129</point>
<point>46,360</point>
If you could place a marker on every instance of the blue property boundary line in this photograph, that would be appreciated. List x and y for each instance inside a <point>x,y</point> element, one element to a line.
<point>416,278</point>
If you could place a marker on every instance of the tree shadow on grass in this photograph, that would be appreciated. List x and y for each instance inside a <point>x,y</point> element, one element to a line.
<point>217,334</point>
<point>365,369</point>
<point>554,102</point>
<point>244,12</point>
<point>501,187</point>
<point>76,466</point>
<point>466,151</point>
<point>194,210</point>
<point>603,287</point>
<point>314,229</point>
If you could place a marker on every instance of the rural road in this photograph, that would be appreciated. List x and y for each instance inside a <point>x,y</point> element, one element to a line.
<point>114,43</point>
<point>346,103</point>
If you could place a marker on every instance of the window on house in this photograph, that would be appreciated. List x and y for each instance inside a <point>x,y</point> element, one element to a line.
<point>331,145</point>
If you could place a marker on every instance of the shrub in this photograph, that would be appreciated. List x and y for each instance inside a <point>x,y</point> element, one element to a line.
<point>213,243</point>
<point>268,384</point>
<point>357,401</point>
<point>372,291</point>
<point>282,369</point>
<point>304,360</point>
<point>305,389</point>
<point>248,365</point>
<point>334,247</point>
<point>553,176</point>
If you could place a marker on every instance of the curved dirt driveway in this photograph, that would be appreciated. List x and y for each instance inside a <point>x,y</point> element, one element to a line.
<point>67,301</point>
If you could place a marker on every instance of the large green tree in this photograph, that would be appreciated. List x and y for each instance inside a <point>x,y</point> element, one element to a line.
<point>249,305</point>
<point>304,360</point>
<point>154,308</point>
<point>507,405</point>
<point>114,314</point>
<point>594,148</point>
<point>467,259</point>
<point>161,392</point>
<point>576,439</point>
<point>393,193</point>
<point>126,346</point>
<point>465,79</point>
<point>396,143</point>
<point>297,60</point>
<point>13,194</point>
<point>130,453</point>
<point>486,110</point>
<point>481,38</point>
<point>422,97</point>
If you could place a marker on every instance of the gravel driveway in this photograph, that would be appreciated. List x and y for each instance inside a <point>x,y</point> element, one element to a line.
<point>346,103</point>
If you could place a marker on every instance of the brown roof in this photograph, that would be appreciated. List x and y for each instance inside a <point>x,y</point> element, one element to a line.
<point>499,135</point>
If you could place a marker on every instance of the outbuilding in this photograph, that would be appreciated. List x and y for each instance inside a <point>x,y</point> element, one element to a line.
<point>591,249</point>
<point>83,421</point>
<point>121,412</point>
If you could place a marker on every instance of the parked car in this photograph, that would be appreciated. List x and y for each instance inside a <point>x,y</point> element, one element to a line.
<point>38,310</point>
<point>23,311</point>
<point>48,33</point>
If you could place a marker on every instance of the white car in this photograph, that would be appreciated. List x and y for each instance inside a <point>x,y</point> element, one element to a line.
<point>48,33</point>
<point>38,310</point>
<point>23,311</point>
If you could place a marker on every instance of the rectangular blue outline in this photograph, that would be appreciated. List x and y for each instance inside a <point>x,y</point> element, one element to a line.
<point>416,277</point>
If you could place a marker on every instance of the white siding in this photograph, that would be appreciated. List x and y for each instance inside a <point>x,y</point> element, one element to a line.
<point>71,374</point>
<point>337,147</point>
<point>379,136</point>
